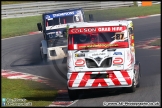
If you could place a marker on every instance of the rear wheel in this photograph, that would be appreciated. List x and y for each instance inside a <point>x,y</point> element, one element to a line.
<point>73,94</point>
<point>139,75</point>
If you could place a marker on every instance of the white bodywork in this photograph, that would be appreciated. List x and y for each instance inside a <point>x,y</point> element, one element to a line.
<point>120,75</point>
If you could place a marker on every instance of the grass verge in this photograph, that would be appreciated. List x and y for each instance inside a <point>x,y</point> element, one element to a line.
<point>21,26</point>
<point>37,93</point>
<point>156,43</point>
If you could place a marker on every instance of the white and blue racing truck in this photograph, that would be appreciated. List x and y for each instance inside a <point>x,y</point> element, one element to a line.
<point>54,27</point>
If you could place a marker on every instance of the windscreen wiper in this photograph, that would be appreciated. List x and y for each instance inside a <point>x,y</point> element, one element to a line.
<point>83,50</point>
<point>108,48</point>
<point>105,49</point>
<point>86,49</point>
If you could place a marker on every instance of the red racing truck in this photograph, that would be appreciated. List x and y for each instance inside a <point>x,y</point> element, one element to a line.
<point>101,55</point>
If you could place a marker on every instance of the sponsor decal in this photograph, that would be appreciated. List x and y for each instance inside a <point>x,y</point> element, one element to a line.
<point>78,12</point>
<point>79,55</point>
<point>63,14</point>
<point>118,60</point>
<point>117,65</point>
<point>131,24</point>
<point>56,15</point>
<point>98,59</point>
<point>98,45</point>
<point>47,17</point>
<point>97,29</point>
<point>96,54</point>
<point>79,67</point>
<point>79,62</point>
<point>117,53</point>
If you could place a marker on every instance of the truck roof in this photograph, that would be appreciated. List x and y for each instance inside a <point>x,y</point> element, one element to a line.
<point>103,23</point>
<point>63,10</point>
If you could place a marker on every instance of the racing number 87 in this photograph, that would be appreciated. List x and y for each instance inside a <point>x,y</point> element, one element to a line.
<point>119,36</point>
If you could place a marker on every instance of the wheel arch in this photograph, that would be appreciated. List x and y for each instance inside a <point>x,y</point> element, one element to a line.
<point>44,46</point>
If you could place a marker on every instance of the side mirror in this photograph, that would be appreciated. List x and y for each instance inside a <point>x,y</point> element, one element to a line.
<point>91,17</point>
<point>39,26</point>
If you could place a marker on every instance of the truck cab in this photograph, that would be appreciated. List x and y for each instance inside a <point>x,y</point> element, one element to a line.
<point>54,26</point>
<point>101,55</point>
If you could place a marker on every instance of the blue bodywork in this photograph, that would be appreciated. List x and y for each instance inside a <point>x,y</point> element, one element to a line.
<point>59,14</point>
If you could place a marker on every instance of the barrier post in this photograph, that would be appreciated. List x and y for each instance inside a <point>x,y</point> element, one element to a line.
<point>146,3</point>
<point>139,3</point>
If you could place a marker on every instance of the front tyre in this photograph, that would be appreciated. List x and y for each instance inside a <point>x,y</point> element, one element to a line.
<point>132,88</point>
<point>134,83</point>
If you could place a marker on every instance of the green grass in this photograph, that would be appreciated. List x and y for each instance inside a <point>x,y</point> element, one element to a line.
<point>37,93</point>
<point>156,43</point>
<point>20,26</point>
<point>14,2</point>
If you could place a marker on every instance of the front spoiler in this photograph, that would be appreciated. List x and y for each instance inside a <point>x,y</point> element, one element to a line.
<point>60,54</point>
<point>82,80</point>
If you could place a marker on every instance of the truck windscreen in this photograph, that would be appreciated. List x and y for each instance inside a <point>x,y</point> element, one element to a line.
<point>57,21</point>
<point>98,37</point>
<point>63,20</point>
<point>98,40</point>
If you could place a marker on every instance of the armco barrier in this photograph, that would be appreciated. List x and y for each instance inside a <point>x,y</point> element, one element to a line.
<point>37,8</point>
<point>139,3</point>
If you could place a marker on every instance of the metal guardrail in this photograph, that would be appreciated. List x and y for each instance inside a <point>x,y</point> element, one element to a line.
<point>139,3</point>
<point>37,8</point>
<point>156,2</point>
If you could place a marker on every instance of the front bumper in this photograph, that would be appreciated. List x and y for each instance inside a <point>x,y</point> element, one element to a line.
<point>54,53</point>
<point>83,80</point>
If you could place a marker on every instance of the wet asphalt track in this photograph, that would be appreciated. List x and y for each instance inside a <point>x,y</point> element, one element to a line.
<point>22,54</point>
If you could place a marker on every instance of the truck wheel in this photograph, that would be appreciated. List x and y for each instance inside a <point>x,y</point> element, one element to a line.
<point>133,87</point>
<point>43,56</point>
<point>139,75</point>
<point>73,94</point>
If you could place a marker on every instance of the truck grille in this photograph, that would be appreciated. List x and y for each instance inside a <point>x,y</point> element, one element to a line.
<point>92,64</point>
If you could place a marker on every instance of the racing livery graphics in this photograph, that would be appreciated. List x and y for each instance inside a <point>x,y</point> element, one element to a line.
<point>100,55</point>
